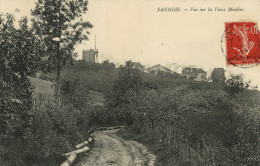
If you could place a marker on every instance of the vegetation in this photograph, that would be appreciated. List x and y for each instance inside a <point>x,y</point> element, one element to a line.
<point>60,25</point>
<point>196,127</point>
<point>50,134</point>
<point>129,79</point>
<point>191,123</point>
<point>36,132</point>
<point>42,88</point>
<point>98,77</point>
<point>183,121</point>
<point>17,60</point>
<point>236,84</point>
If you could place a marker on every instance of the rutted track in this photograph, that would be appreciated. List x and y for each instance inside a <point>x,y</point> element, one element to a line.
<point>112,150</point>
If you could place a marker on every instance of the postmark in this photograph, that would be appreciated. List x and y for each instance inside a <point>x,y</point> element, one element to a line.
<point>242,44</point>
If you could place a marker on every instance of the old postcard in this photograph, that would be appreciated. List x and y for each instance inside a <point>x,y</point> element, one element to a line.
<point>129,82</point>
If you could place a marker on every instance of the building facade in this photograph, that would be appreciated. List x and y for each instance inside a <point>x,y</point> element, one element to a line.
<point>194,74</point>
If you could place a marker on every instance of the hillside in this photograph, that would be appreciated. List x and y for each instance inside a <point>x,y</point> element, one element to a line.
<point>42,87</point>
<point>100,78</point>
<point>96,77</point>
<point>45,89</point>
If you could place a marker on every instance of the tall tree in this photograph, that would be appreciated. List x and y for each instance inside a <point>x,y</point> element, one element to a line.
<point>60,25</point>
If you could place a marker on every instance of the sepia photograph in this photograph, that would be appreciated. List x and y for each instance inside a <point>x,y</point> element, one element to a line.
<point>129,83</point>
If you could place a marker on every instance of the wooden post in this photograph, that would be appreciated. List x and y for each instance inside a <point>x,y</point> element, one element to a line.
<point>34,104</point>
<point>77,151</point>
<point>69,160</point>
<point>81,144</point>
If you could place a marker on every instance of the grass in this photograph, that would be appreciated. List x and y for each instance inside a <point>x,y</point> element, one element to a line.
<point>42,88</point>
<point>45,89</point>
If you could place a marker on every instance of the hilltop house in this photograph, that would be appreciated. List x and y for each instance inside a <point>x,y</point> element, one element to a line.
<point>196,74</point>
<point>155,69</point>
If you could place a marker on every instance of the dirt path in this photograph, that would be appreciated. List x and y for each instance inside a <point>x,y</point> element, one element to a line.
<point>112,150</point>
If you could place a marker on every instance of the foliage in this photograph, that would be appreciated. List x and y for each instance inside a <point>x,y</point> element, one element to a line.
<point>236,84</point>
<point>102,76</point>
<point>74,90</point>
<point>98,77</point>
<point>62,19</point>
<point>129,79</point>
<point>157,82</point>
<point>38,134</point>
<point>77,92</point>
<point>82,65</point>
<point>20,52</point>
<point>60,26</point>
<point>28,137</point>
<point>50,134</point>
<point>196,126</point>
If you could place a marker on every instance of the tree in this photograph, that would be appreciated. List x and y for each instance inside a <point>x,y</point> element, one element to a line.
<point>129,79</point>
<point>19,57</point>
<point>108,65</point>
<point>60,25</point>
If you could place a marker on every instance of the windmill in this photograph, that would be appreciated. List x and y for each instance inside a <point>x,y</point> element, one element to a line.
<point>90,55</point>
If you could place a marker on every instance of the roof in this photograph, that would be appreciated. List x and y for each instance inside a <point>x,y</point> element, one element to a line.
<point>159,68</point>
<point>88,50</point>
<point>218,70</point>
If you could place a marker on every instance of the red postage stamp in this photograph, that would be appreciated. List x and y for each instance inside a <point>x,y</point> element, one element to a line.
<point>242,43</point>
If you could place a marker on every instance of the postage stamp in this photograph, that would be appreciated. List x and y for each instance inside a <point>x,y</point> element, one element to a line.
<point>242,43</point>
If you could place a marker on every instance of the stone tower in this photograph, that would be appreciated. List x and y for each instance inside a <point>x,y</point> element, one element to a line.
<point>90,55</point>
<point>218,75</point>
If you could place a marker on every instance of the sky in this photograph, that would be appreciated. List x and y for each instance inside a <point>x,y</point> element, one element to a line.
<point>135,30</point>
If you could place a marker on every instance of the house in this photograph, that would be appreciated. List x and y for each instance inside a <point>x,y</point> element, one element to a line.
<point>196,74</point>
<point>161,70</point>
<point>158,68</point>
